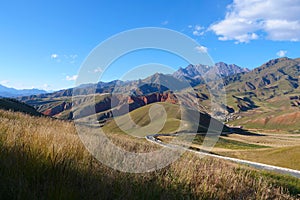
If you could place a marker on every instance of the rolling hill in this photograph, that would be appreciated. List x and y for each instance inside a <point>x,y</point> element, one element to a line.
<point>17,106</point>
<point>268,96</point>
<point>175,122</point>
<point>275,78</point>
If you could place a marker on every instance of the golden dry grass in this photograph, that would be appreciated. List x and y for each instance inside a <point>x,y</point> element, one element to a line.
<point>42,158</point>
<point>280,156</point>
<point>274,149</point>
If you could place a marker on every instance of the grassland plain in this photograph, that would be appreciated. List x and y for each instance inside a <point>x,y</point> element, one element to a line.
<point>43,158</point>
<point>281,150</point>
<point>279,156</point>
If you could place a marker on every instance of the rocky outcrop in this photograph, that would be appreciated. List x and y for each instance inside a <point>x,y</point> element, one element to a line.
<point>57,109</point>
<point>220,69</point>
<point>153,98</point>
<point>84,109</point>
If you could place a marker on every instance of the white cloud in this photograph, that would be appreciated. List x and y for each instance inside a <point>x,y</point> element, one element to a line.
<point>54,56</point>
<point>98,70</point>
<point>71,78</point>
<point>198,27</point>
<point>283,30</point>
<point>71,58</point>
<point>198,33</point>
<point>246,20</point>
<point>201,49</point>
<point>165,22</point>
<point>281,53</point>
<point>197,30</point>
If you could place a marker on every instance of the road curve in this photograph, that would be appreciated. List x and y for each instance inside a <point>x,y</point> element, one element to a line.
<point>282,170</point>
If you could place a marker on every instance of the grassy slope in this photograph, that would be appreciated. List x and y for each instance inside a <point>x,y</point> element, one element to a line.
<point>274,110</point>
<point>142,119</point>
<point>274,114</point>
<point>273,83</point>
<point>172,124</point>
<point>42,158</point>
<point>14,105</point>
<point>229,144</point>
<point>275,149</point>
<point>86,103</point>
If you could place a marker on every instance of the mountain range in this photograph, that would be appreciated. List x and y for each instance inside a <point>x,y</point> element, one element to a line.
<point>154,88</point>
<point>191,74</point>
<point>252,96</point>
<point>12,92</point>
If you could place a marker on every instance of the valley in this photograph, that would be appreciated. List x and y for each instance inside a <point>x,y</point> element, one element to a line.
<point>262,102</point>
<point>158,100</point>
<point>260,125</point>
<point>273,149</point>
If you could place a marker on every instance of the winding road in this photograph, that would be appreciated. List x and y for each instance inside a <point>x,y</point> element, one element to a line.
<point>294,173</point>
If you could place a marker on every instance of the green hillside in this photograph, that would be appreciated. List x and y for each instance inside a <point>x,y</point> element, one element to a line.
<point>17,106</point>
<point>276,77</point>
<point>268,96</point>
<point>174,112</point>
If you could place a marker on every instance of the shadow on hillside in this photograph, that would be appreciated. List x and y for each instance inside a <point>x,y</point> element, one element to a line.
<point>242,131</point>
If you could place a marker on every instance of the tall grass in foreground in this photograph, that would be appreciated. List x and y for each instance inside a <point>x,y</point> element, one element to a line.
<point>42,158</point>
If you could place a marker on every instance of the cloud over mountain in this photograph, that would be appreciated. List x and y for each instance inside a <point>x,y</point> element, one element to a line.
<point>250,20</point>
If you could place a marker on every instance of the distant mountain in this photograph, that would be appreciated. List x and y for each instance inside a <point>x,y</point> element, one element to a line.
<point>229,69</point>
<point>158,82</point>
<point>195,73</point>
<point>11,92</point>
<point>268,97</point>
<point>272,89</point>
<point>276,77</point>
<point>137,93</point>
<point>140,92</point>
<point>192,71</point>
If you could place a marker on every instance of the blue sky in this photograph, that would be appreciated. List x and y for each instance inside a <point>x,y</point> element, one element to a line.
<point>43,43</point>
